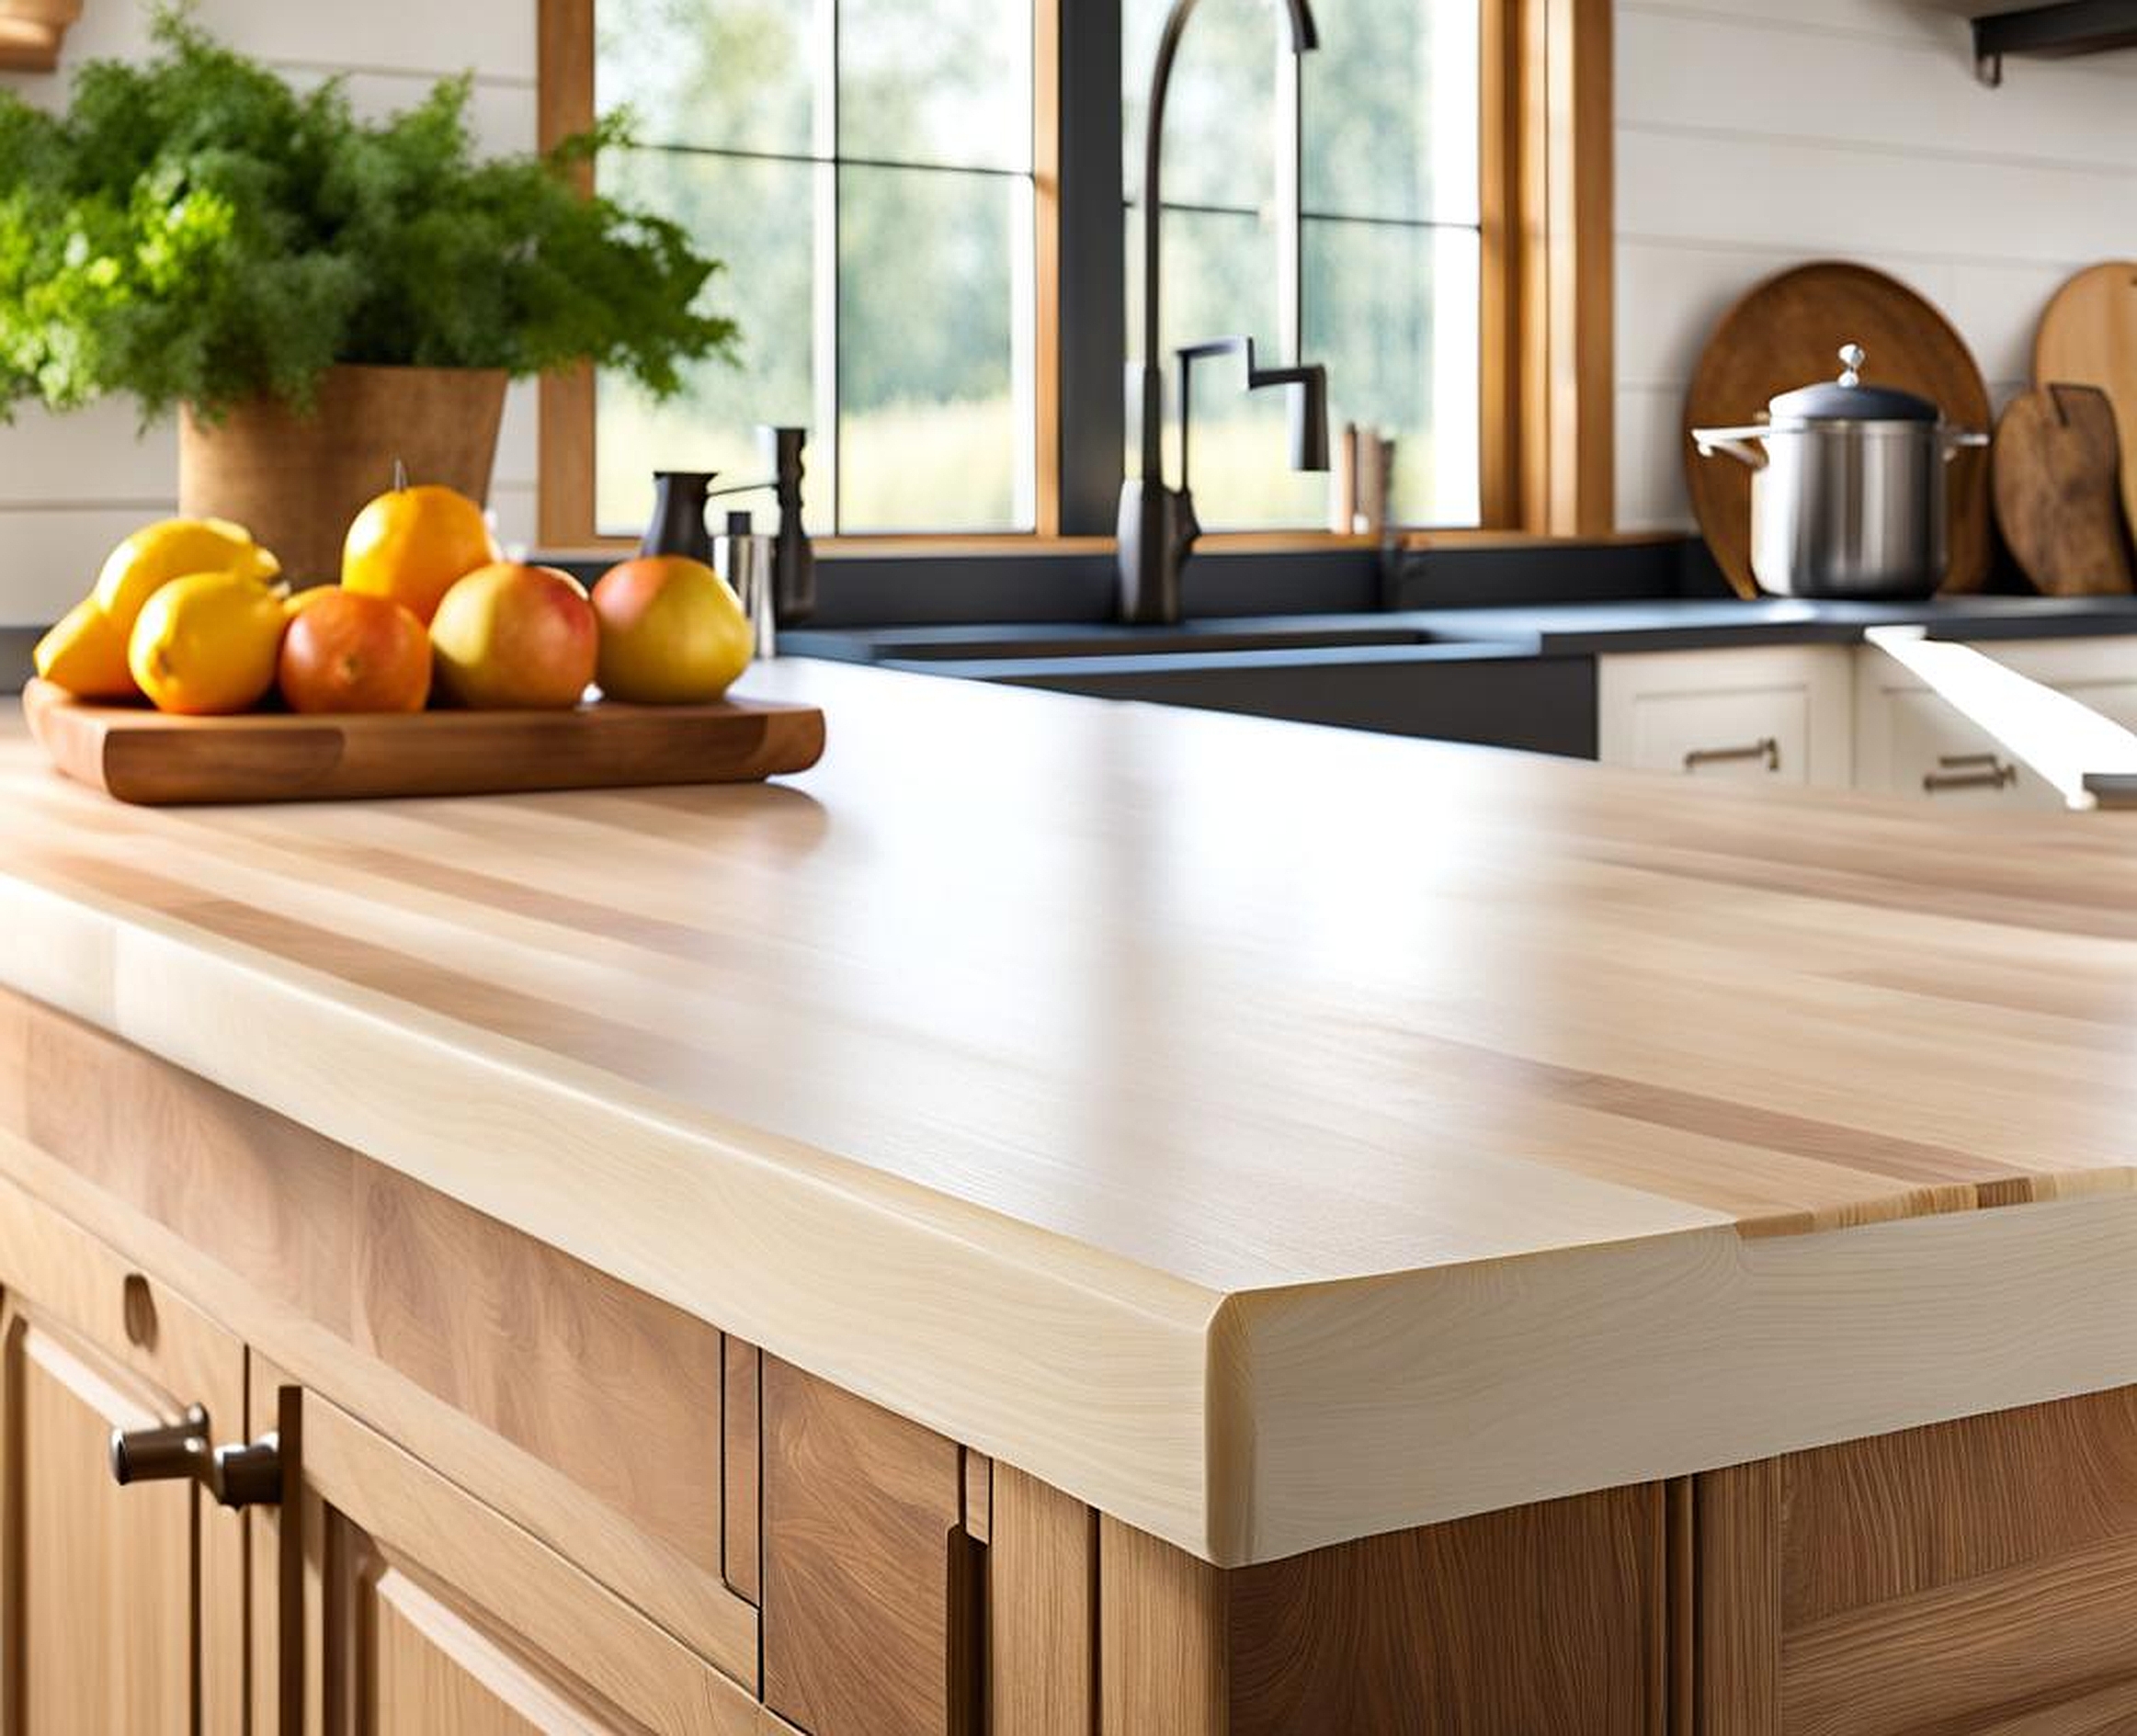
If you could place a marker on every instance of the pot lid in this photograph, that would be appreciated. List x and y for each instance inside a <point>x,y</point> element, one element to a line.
<point>1847,399</point>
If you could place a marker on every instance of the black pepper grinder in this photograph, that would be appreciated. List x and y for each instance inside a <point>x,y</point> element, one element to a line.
<point>793,555</point>
<point>678,514</point>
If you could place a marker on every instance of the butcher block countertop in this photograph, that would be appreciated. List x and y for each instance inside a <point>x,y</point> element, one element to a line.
<point>1270,1135</point>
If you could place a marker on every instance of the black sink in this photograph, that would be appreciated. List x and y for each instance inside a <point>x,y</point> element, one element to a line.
<point>924,646</point>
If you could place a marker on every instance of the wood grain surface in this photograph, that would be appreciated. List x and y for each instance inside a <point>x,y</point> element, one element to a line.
<point>1546,1621</point>
<point>869,1609</point>
<point>1042,1585</point>
<point>472,1578</point>
<point>1973,1575</point>
<point>2087,337</point>
<point>139,755</point>
<point>548,1362</point>
<point>2056,468</point>
<point>1736,1600</point>
<point>1786,333</point>
<point>1517,1106</point>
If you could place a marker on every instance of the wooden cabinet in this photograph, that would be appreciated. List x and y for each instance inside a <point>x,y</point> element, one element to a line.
<point>1971,1578</point>
<point>872,1572</point>
<point>576,1514</point>
<point>121,1608</point>
<point>406,1607</point>
<point>1772,713</point>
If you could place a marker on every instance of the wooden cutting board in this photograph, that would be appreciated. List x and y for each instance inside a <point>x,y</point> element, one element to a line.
<point>2087,337</point>
<point>2056,465</point>
<point>1786,333</point>
<point>139,755</point>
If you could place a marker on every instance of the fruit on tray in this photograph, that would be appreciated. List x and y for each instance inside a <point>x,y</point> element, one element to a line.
<point>187,612</point>
<point>85,654</point>
<point>512,635</point>
<point>672,631</point>
<point>347,651</point>
<point>171,548</point>
<point>206,644</point>
<point>414,544</point>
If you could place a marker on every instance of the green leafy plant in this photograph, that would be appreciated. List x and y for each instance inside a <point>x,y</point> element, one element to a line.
<point>196,231</point>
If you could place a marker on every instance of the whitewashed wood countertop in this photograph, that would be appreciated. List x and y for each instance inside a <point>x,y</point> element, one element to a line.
<point>1272,1135</point>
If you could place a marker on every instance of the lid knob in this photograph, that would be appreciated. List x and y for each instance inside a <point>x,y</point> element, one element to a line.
<point>1851,360</point>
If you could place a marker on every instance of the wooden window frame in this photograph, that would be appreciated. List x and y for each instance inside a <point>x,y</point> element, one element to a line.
<point>1546,401</point>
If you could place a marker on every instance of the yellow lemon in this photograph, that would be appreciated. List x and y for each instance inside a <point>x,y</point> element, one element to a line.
<point>85,654</point>
<point>207,643</point>
<point>157,554</point>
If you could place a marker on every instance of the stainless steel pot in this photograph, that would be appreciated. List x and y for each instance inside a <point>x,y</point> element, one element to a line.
<point>1847,497</point>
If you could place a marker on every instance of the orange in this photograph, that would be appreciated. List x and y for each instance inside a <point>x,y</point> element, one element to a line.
<point>413,544</point>
<point>347,651</point>
<point>85,654</point>
<point>671,631</point>
<point>206,644</point>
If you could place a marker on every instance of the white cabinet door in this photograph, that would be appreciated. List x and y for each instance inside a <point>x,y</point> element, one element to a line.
<point>2101,673</point>
<point>1779,713</point>
<point>1909,742</point>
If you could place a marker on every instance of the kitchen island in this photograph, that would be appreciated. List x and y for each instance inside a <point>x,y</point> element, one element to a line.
<point>1074,1216</point>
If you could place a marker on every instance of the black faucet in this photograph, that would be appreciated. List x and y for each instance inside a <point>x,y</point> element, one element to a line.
<point>1157,526</point>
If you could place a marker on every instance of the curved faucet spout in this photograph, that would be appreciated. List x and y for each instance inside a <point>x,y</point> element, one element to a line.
<point>1297,18</point>
<point>1158,527</point>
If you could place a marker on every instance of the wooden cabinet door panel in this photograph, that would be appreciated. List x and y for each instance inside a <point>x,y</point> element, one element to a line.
<point>871,1579</point>
<point>120,1608</point>
<point>104,1584</point>
<point>410,1609</point>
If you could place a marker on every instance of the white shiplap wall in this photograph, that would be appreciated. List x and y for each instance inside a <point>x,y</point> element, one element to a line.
<point>1753,134</point>
<point>69,486</point>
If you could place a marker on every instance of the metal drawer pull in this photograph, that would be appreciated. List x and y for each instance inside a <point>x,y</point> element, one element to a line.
<point>1765,748</point>
<point>244,1476</point>
<point>1970,771</point>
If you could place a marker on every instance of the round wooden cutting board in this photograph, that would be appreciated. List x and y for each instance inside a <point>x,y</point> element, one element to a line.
<point>1786,334</point>
<point>2088,337</point>
<point>2056,471</point>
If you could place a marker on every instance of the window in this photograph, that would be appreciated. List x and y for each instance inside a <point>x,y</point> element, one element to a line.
<point>864,169</point>
<point>894,186</point>
<point>1390,254</point>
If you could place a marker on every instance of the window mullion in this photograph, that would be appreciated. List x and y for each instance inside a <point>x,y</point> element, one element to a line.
<point>825,324</point>
<point>1093,357</point>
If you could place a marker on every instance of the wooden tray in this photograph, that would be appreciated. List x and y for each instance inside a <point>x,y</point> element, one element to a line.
<point>140,755</point>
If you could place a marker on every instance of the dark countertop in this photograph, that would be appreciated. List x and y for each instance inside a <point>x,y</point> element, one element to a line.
<point>1580,630</point>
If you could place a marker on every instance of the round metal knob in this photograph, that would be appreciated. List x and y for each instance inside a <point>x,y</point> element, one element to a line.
<point>248,1476</point>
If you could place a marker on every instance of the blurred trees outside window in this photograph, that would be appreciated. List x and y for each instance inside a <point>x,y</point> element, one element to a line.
<point>864,167</point>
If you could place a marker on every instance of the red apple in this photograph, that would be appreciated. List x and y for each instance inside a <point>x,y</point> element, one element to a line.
<point>509,636</point>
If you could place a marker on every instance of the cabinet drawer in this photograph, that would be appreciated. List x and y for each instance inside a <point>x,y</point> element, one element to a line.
<point>1912,742</point>
<point>406,1606</point>
<point>1930,750</point>
<point>1780,714</point>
